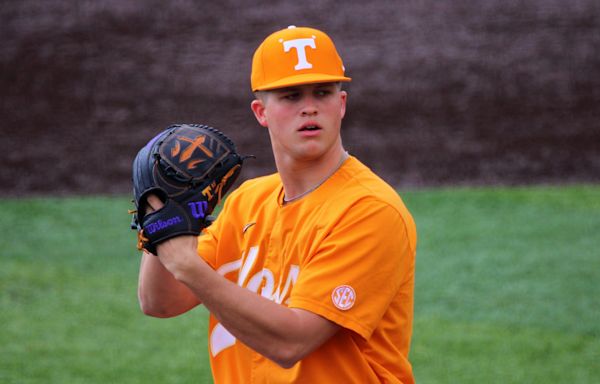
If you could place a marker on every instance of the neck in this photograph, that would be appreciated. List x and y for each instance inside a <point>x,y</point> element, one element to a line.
<point>299,178</point>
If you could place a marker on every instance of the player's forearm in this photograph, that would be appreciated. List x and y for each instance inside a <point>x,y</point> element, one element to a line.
<point>159,293</point>
<point>281,334</point>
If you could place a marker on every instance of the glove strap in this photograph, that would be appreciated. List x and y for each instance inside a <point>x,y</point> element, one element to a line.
<point>170,221</point>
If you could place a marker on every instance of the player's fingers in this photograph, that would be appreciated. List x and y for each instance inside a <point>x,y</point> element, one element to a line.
<point>154,203</point>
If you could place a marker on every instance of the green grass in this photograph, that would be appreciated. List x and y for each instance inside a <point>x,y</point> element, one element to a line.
<point>508,285</point>
<point>507,291</point>
<point>68,304</point>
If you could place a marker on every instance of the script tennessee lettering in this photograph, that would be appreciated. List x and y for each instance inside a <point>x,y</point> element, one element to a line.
<point>263,280</point>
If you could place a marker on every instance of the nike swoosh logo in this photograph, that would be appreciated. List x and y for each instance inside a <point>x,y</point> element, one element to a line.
<point>248,226</point>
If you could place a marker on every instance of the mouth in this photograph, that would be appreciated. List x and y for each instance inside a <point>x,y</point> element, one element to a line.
<point>309,128</point>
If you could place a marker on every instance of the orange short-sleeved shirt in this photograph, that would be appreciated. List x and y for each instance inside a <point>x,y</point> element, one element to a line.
<point>346,252</point>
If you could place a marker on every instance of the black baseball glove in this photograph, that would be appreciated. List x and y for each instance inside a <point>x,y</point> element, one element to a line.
<point>190,168</point>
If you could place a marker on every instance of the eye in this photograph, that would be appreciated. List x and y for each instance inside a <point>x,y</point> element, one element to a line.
<point>322,92</point>
<point>291,96</point>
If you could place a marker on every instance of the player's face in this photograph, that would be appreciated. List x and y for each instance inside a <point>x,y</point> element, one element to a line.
<point>304,121</point>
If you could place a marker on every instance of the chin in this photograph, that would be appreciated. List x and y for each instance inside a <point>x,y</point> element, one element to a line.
<point>311,153</point>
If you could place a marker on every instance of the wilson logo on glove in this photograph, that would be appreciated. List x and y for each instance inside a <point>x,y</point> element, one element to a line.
<point>162,224</point>
<point>198,208</point>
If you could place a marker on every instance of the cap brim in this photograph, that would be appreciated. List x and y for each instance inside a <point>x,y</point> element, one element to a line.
<point>308,78</point>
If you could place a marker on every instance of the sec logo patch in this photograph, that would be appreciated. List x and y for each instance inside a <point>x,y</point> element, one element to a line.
<point>343,297</point>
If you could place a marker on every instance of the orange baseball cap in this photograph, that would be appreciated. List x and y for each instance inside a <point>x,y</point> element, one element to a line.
<point>295,56</point>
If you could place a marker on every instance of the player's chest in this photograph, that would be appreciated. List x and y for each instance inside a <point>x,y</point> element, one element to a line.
<point>278,241</point>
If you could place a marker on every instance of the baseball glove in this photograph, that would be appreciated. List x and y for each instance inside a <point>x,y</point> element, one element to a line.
<point>190,168</point>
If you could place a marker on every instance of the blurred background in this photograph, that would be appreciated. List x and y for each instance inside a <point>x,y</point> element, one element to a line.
<point>461,92</point>
<point>483,114</point>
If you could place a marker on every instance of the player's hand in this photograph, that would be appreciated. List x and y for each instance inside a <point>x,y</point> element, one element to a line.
<point>153,204</point>
<point>178,252</point>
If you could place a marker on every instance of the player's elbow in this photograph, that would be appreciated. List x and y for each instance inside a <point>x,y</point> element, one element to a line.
<point>154,308</point>
<point>285,361</point>
<point>286,364</point>
<point>287,356</point>
<point>151,312</point>
<point>301,337</point>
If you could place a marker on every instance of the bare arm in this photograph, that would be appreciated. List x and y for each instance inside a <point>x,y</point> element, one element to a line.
<point>159,293</point>
<point>284,335</point>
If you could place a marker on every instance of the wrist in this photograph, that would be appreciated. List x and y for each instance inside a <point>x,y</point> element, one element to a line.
<point>179,256</point>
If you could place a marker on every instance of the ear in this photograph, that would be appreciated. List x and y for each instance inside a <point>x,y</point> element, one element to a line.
<point>258,107</point>
<point>343,100</point>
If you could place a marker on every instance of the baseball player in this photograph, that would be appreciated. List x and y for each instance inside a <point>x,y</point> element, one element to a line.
<point>308,273</point>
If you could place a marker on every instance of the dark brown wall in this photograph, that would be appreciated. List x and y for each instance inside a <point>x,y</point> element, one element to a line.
<point>454,92</point>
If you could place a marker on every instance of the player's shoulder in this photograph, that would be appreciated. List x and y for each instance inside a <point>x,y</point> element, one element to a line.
<point>363,187</point>
<point>362,183</point>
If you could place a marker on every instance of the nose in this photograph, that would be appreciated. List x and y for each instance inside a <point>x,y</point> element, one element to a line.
<point>309,112</point>
<point>310,107</point>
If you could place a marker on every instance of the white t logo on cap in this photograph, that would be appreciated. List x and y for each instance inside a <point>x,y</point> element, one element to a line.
<point>300,46</point>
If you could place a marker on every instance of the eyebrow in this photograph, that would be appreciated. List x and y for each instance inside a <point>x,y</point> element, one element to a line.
<point>286,89</point>
<point>294,88</point>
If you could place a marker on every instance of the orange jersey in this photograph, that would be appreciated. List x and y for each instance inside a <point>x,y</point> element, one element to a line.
<point>346,252</point>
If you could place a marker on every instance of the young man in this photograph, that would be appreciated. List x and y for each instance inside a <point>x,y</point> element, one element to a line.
<point>308,273</point>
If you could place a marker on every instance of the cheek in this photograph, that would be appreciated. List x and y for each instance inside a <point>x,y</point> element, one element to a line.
<point>275,126</point>
<point>278,117</point>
